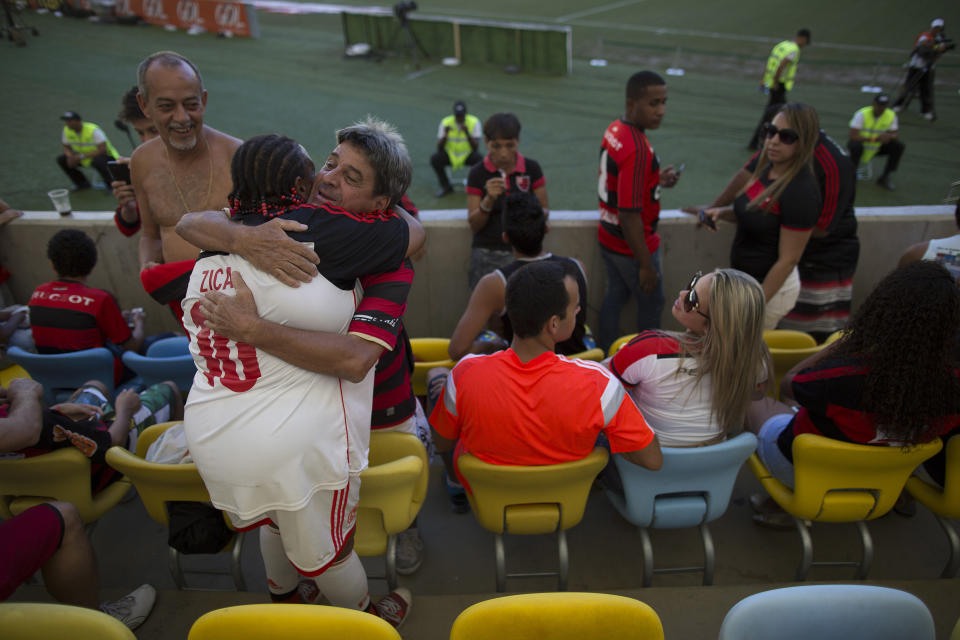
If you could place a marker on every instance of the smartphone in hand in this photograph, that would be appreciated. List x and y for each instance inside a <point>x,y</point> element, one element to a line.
<point>119,172</point>
<point>707,220</point>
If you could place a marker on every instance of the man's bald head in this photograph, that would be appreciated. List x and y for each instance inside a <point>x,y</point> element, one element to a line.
<point>168,59</point>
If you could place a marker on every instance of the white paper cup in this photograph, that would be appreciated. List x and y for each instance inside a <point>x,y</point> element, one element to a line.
<point>61,201</point>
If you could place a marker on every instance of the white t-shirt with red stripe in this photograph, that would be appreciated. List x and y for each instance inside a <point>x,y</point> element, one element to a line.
<point>663,384</point>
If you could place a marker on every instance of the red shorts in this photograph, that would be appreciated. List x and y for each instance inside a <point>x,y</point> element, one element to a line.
<point>27,541</point>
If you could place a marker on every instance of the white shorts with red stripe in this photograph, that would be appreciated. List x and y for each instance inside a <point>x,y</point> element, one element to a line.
<point>313,536</point>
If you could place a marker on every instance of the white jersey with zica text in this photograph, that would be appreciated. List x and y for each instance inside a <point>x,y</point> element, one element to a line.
<point>266,434</point>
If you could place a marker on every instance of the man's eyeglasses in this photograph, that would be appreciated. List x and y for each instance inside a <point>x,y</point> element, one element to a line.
<point>691,301</point>
<point>787,136</point>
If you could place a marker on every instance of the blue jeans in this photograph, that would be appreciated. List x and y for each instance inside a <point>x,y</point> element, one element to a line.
<point>622,274</point>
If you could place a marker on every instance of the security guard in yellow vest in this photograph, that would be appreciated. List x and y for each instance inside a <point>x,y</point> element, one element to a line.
<point>874,132</point>
<point>84,145</point>
<point>778,78</point>
<point>457,141</point>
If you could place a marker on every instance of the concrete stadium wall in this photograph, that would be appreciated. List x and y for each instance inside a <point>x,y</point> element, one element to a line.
<point>440,289</point>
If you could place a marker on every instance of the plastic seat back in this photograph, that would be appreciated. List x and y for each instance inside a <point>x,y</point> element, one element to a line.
<point>530,499</point>
<point>829,611</point>
<point>944,502</point>
<point>40,621</point>
<point>169,347</point>
<point>61,373</point>
<point>62,475</point>
<point>788,349</point>
<point>428,353</point>
<point>619,342</point>
<point>158,483</point>
<point>152,370</point>
<point>692,487</point>
<point>386,503</point>
<point>788,339</point>
<point>558,616</point>
<point>290,622</point>
<point>844,482</point>
<point>596,355</point>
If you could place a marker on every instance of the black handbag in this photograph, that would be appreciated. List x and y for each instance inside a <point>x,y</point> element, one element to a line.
<point>196,527</point>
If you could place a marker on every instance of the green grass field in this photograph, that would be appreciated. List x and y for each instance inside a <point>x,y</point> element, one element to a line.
<point>294,80</point>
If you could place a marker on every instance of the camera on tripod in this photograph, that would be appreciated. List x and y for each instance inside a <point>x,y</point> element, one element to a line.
<point>401,9</point>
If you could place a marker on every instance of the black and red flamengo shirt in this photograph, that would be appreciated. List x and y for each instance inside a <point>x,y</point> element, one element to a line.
<point>91,437</point>
<point>629,182</point>
<point>829,396</point>
<point>837,178</point>
<point>527,176</point>
<point>756,246</point>
<point>379,317</point>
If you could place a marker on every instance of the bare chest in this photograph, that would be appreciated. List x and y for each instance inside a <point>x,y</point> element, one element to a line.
<point>198,187</point>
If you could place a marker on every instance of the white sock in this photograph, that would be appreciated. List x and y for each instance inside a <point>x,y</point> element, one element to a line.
<point>344,583</point>
<point>282,577</point>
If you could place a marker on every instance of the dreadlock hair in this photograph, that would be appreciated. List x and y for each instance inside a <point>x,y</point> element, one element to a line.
<point>264,170</point>
<point>803,119</point>
<point>906,334</point>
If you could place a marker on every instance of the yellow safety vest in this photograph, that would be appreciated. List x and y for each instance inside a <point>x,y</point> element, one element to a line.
<point>781,51</point>
<point>83,142</point>
<point>458,143</point>
<point>873,127</point>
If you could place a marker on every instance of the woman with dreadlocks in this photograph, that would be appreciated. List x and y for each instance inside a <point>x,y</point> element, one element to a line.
<point>277,444</point>
<point>891,380</point>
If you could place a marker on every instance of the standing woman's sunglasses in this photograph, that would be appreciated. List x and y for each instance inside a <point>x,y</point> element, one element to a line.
<point>691,301</point>
<point>787,136</point>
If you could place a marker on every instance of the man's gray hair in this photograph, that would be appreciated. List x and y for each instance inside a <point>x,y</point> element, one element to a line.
<point>386,152</point>
<point>167,59</point>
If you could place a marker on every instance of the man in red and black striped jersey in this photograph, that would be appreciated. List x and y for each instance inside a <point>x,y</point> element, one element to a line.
<point>66,315</point>
<point>830,258</point>
<point>629,190</point>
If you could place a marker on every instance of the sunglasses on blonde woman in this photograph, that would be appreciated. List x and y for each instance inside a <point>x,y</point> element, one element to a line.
<point>691,301</point>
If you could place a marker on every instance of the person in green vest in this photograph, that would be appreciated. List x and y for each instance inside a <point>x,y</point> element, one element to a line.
<point>778,78</point>
<point>84,145</point>
<point>457,142</point>
<point>874,132</point>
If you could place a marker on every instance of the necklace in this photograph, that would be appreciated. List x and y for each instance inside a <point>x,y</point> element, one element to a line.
<point>183,201</point>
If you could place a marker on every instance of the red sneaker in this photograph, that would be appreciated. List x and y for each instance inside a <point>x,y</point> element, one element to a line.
<point>394,607</point>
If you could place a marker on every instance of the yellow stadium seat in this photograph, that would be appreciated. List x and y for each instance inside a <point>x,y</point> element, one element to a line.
<point>40,621</point>
<point>530,500</point>
<point>428,353</point>
<point>944,503</point>
<point>290,622</point>
<point>838,481</point>
<point>558,616</point>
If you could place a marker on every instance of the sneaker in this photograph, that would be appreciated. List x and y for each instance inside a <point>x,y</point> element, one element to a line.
<point>308,591</point>
<point>80,187</point>
<point>884,181</point>
<point>409,551</point>
<point>928,116</point>
<point>443,191</point>
<point>762,503</point>
<point>133,608</point>
<point>394,607</point>
<point>897,108</point>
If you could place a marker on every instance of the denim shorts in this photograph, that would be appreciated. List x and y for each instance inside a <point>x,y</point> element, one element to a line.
<point>769,452</point>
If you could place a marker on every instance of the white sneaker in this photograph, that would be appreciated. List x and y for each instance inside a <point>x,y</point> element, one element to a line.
<point>133,608</point>
<point>927,116</point>
<point>409,551</point>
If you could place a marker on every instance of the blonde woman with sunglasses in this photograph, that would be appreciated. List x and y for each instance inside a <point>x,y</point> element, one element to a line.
<point>695,387</point>
<point>777,210</point>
